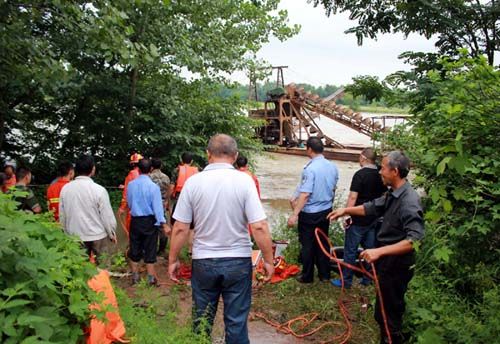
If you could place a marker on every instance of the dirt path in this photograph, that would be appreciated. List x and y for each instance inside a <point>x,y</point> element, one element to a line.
<point>259,332</point>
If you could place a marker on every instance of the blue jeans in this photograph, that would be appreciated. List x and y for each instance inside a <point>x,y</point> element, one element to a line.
<point>231,278</point>
<point>355,235</point>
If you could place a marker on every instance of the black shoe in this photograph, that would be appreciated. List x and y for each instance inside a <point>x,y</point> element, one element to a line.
<point>301,279</point>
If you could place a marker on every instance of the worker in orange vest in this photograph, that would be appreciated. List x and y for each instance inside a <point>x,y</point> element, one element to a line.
<point>179,177</point>
<point>133,173</point>
<point>182,173</point>
<point>10,176</point>
<point>65,173</point>
<point>242,165</point>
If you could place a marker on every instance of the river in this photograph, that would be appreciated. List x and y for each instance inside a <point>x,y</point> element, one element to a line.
<point>279,175</point>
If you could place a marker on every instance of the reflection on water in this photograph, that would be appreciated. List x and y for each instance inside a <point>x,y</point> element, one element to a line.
<point>279,175</point>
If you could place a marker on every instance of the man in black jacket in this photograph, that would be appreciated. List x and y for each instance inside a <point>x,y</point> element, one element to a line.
<point>393,256</point>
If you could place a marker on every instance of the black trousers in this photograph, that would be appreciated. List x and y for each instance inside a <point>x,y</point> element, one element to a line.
<point>310,252</point>
<point>143,239</point>
<point>162,245</point>
<point>394,273</point>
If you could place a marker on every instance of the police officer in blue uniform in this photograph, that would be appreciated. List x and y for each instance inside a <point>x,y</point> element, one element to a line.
<point>311,203</point>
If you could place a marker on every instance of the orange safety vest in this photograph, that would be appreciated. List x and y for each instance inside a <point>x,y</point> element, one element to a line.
<point>9,183</point>
<point>185,171</point>
<point>130,176</point>
<point>133,174</point>
<point>254,177</point>
<point>53,193</point>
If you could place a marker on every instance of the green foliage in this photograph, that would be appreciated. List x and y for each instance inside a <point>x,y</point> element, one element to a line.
<point>441,316</point>
<point>108,78</point>
<point>44,295</point>
<point>152,318</point>
<point>455,23</point>
<point>367,86</point>
<point>453,142</point>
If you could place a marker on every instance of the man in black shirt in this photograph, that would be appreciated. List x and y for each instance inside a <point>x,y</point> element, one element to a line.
<point>366,185</point>
<point>393,256</point>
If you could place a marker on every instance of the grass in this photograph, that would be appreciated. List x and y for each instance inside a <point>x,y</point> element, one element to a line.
<point>289,299</point>
<point>286,300</point>
<point>382,110</point>
<point>162,315</point>
<point>152,316</point>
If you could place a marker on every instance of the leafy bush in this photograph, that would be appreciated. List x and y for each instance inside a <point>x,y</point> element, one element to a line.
<point>44,295</point>
<point>453,141</point>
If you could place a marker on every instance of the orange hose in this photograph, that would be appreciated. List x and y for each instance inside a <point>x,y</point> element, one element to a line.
<point>307,319</point>
<point>373,276</point>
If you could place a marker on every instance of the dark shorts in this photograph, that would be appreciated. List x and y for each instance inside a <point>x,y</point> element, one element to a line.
<point>143,239</point>
<point>97,247</point>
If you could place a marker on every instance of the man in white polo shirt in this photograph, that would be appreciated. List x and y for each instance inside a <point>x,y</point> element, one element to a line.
<point>221,202</point>
<point>85,209</point>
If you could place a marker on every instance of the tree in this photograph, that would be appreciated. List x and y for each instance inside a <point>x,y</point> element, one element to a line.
<point>109,77</point>
<point>471,24</point>
<point>366,86</point>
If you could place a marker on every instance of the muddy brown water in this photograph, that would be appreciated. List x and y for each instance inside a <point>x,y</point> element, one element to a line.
<point>279,175</point>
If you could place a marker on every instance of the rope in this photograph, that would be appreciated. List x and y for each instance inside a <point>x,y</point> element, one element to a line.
<point>318,232</point>
<point>305,320</point>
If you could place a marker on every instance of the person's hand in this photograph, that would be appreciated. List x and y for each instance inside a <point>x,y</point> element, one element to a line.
<point>167,230</point>
<point>347,223</point>
<point>172,270</point>
<point>336,214</point>
<point>292,220</point>
<point>269,268</point>
<point>113,239</point>
<point>370,255</point>
<point>121,211</point>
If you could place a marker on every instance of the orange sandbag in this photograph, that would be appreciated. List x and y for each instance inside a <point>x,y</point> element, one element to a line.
<point>286,272</point>
<point>113,330</point>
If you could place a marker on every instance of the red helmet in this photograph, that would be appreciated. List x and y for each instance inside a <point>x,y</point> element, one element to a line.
<point>134,158</point>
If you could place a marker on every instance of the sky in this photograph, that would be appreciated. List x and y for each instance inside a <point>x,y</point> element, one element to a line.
<point>321,53</point>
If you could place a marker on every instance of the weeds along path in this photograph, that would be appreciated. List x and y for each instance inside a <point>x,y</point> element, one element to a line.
<point>163,314</point>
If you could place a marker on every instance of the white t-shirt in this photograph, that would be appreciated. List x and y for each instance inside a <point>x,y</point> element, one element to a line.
<point>85,210</point>
<point>221,202</point>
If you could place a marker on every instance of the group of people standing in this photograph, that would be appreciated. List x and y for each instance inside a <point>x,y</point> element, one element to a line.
<point>386,220</point>
<point>218,208</point>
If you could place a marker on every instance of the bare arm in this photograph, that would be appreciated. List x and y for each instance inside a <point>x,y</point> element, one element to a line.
<point>351,199</point>
<point>356,211</point>
<point>262,236</point>
<point>399,248</point>
<point>179,237</point>
<point>297,208</point>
